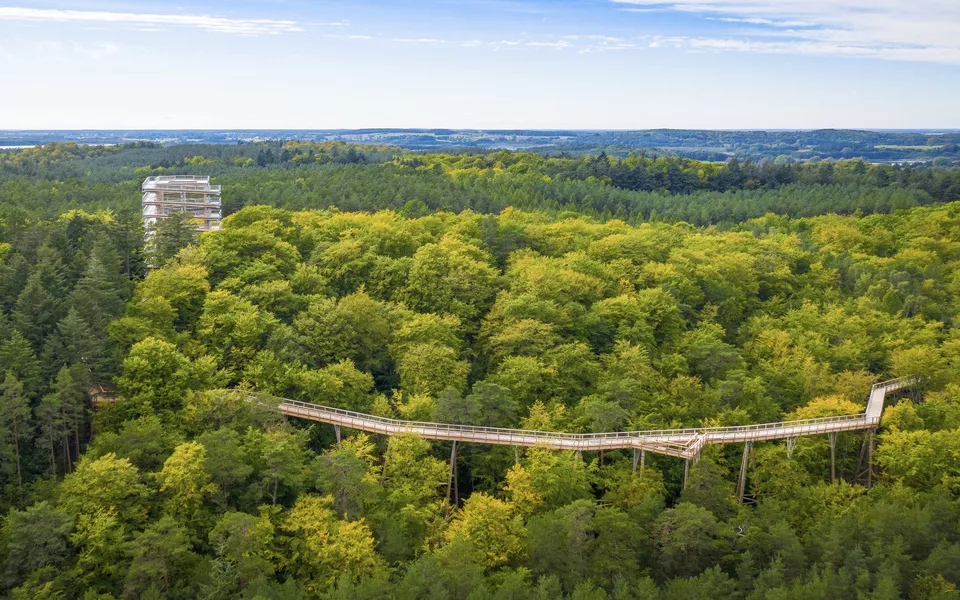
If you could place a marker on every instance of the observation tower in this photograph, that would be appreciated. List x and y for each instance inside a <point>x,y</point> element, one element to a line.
<point>164,195</point>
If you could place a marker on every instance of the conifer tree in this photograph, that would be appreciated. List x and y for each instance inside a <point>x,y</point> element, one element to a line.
<point>15,415</point>
<point>39,306</point>
<point>18,357</point>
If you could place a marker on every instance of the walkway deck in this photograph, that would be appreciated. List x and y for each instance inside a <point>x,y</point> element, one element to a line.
<point>682,443</point>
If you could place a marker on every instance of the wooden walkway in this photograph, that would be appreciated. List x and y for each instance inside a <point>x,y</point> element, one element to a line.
<point>682,443</point>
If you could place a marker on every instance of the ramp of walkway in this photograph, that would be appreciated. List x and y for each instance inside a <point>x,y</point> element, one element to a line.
<point>682,443</point>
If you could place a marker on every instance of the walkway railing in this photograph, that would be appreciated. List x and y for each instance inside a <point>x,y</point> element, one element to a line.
<point>684,443</point>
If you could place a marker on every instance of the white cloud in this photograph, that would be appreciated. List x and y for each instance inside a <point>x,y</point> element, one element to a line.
<point>204,22</point>
<point>559,45</point>
<point>922,30</point>
<point>471,43</point>
<point>348,37</point>
<point>419,41</point>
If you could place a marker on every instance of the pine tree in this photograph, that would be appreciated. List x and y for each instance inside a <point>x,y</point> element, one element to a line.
<point>18,357</point>
<point>39,306</point>
<point>15,414</point>
<point>175,232</point>
<point>73,343</point>
<point>49,418</point>
<point>72,386</point>
<point>126,231</point>
<point>100,294</point>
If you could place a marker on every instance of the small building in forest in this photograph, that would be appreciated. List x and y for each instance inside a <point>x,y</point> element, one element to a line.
<point>101,394</point>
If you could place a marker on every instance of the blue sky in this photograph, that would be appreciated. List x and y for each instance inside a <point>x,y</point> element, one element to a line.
<point>617,64</point>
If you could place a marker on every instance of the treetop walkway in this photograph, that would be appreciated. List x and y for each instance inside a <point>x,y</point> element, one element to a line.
<point>682,443</point>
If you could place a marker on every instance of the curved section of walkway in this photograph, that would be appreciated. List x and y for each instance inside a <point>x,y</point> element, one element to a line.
<point>682,443</point>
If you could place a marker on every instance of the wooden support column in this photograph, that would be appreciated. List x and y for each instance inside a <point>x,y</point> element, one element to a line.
<point>643,459</point>
<point>636,458</point>
<point>832,437</point>
<point>686,472</point>
<point>870,443</point>
<point>742,480</point>
<point>336,431</point>
<point>453,470</point>
<point>791,445</point>
<point>516,455</point>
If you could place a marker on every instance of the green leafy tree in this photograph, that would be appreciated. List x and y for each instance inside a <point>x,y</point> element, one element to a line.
<point>162,559</point>
<point>107,483</point>
<point>247,542</point>
<point>36,538</point>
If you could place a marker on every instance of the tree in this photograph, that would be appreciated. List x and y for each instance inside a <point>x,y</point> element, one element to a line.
<point>185,483</point>
<point>38,306</point>
<point>581,541</point>
<point>558,478</point>
<point>709,487</point>
<point>49,419</point>
<point>412,484</point>
<point>449,278</point>
<point>430,369</point>
<point>183,286</point>
<point>453,407</point>
<point>226,461</point>
<point>690,539</point>
<point>162,557</point>
<point>497,408</point>
<point>101,543</point>
<point>18,358</point>
<point>15,416</point>
<point>171,234</point>
<point>100,293</point>
<point>323,547</point>
<point>73,343</point>
<point>247,542</point>
<point>156,374</point>
<point>106,483</point>
<point>492,527</point>
<point>347,474</point>
<point>71,387</point>
<point>281,460</point>
<point>36,538</point>
<point>147,441</point>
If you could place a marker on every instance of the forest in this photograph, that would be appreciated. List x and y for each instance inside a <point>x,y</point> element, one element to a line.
<point>939,146</point>
<point>503,289</point>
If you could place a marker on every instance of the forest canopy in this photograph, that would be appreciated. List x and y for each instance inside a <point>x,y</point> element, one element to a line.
<point>131,466</point>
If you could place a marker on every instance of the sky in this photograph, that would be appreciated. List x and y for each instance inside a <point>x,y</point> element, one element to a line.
<point>537,64</point>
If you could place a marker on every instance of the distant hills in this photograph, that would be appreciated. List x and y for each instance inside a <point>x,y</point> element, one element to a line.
<point>920,146</point>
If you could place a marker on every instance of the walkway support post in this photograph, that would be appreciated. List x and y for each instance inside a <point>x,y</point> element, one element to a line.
<point>686,472</point>
<point>643,459</point>
<point>871,437</point>
<point>791,444</point>
<point>453,470</point>
<point>336,431</point>
<point>832,437</point>
<point>516,455</point>
<point>742,480</point>
<point>636,458</point>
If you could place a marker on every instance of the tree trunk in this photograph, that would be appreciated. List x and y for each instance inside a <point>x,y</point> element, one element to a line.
<point>16,445</point>
<point>53,457</point>
<point>67,463</point>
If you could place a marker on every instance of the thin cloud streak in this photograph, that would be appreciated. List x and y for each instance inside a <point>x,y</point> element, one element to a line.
<point>920,30</point>
<point>204,22</point>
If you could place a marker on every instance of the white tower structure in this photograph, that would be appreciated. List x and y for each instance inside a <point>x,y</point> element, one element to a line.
<point>164,195</point>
